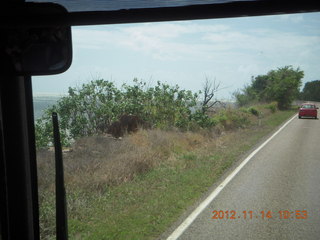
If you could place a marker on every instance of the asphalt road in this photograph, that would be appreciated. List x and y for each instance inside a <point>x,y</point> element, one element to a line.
<point>283,176</point>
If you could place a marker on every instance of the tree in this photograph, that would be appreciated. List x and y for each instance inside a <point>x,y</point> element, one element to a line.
<point>311,91</point>
<point>284,86</point>
<point>209,90</point>
<point>260,86</point>
<point>246,96</point>
<point>281,85</point>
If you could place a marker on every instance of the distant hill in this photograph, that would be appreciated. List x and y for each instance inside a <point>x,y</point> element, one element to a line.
<point>40,103</point>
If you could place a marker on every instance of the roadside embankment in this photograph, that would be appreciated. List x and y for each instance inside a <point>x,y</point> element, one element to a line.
<point>136,187</point>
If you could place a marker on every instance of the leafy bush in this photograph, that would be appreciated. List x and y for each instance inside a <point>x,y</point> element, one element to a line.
<point>91,109</point>
<point>244,97</point>
<point>273,106</point>
<point>253,111</point>
<point>239,119</point>
<point>232,118</point>
<point>203,120</point>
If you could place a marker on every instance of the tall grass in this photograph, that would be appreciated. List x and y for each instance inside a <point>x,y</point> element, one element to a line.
<point>97,163</point>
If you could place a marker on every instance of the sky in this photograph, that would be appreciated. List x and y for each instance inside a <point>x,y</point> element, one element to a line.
<point>228,51</point>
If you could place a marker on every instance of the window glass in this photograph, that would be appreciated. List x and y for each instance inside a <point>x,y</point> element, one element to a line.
<point>308,106</point>
<point>152,114</point>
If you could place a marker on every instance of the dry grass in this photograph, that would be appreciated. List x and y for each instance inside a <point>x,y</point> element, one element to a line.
<point>99,161</point>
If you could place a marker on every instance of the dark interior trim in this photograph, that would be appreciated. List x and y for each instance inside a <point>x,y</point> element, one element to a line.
<point>227,10</point>
<point>209,11</point>
<point>19,189</point>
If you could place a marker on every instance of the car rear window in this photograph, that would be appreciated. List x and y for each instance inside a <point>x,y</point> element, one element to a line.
<point>308,106</point>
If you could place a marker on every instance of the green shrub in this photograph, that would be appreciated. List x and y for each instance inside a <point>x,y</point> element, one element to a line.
<point>273,106</point>
<point>90,109</point>
<point>239,119</point>
<point>203,120</point>
<point>253,111</point>
<point>232,118</point>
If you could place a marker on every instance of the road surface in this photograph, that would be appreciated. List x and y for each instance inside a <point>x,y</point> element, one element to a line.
<point>283,176</point>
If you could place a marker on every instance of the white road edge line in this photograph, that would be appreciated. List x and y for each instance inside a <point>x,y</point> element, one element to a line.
<point>187,222</point>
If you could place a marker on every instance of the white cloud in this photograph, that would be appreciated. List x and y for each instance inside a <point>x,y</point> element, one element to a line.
<point>161,41</point>
<point>176,41</point>
<point>183,52</point>
<point>173,30</point>
<point>93,39</point>
<point>294,18</point>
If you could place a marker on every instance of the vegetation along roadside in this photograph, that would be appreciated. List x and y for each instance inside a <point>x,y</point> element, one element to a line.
<point>137,186</point>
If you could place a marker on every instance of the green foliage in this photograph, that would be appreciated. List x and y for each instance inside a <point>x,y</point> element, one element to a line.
<point>253,111</point>
<point>245,97</point>
<point>203,120</point>
<point>81,113</point>
<point>91,109</point>
<point>168,106</point>
<point>241,98</point>
<point>281,85</point>
<point>231,118</point>
<point>273,106</point>
<point>284,87</point>
<point>311,91</point>
<point>43,133</point>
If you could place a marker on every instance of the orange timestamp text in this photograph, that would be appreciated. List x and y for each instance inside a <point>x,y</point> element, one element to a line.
<point>282,214</point>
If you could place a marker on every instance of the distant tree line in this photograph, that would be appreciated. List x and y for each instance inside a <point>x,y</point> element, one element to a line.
<point>311,91</point>
<point>281,85</point>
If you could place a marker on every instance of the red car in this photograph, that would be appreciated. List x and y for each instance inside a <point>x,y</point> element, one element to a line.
<point>308,110</point>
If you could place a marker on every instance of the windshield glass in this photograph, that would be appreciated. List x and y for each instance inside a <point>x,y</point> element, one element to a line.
<point>154,115</point>
<point>308,106</point>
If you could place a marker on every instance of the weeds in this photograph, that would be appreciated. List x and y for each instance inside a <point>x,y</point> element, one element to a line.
<point>273,106</point>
